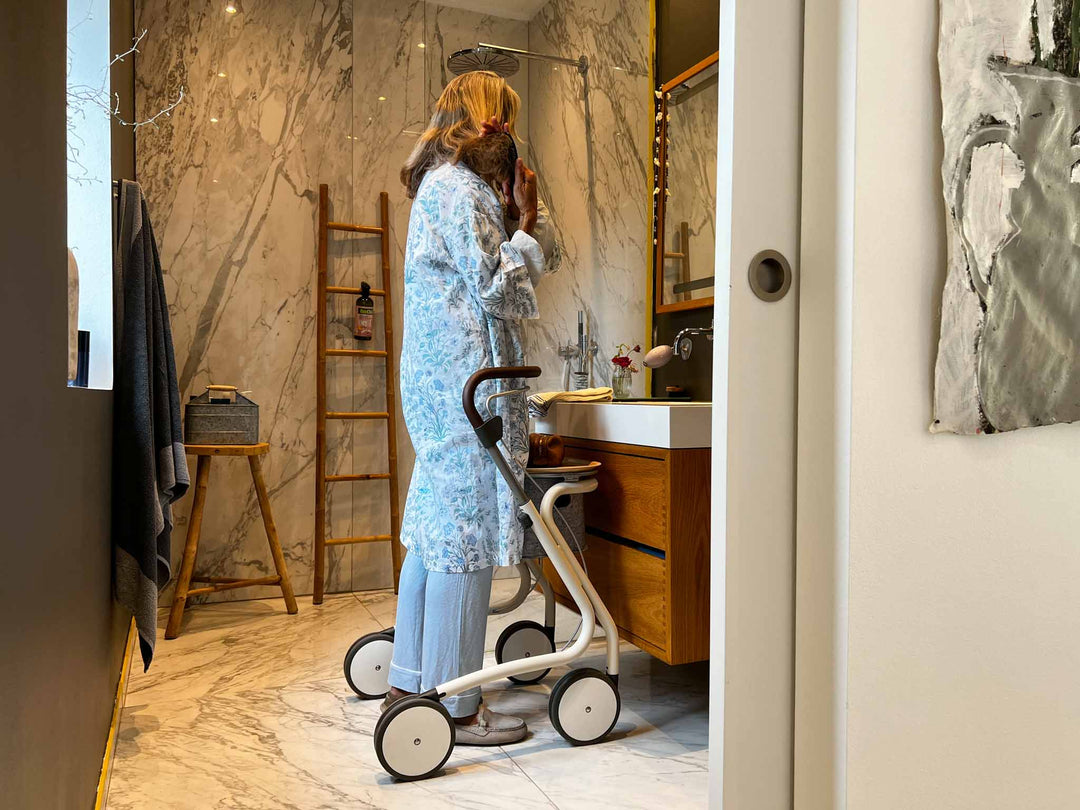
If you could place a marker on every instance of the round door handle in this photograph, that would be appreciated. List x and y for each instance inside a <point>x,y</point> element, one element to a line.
<point>769,275</point>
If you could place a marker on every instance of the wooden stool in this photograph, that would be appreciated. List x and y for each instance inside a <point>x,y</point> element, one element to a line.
<point>206,453</point>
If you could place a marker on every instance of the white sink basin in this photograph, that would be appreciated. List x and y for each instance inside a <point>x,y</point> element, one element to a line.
<point>652,424</point>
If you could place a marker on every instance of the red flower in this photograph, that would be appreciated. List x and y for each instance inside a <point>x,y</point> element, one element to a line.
<point>637,348</point>
<point>622,362</point>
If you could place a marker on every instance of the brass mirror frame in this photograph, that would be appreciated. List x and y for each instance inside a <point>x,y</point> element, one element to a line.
<point>661,184</point>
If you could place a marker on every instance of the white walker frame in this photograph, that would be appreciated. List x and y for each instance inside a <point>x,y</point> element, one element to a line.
<point>415,735</point>
<point>581,590</point>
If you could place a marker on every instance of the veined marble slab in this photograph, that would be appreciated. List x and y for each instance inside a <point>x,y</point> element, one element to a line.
<point>591,146</point>
<point>232,180</point>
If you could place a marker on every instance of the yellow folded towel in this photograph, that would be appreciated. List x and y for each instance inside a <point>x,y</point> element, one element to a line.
<point>540,404</point>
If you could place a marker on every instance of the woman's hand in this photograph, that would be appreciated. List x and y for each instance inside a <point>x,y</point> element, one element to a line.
<point>524,197</point>
<point>521,201</point>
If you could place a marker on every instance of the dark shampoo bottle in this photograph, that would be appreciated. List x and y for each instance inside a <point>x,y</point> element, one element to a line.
<point>365,313</point>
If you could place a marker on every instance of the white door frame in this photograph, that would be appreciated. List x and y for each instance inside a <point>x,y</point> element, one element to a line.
<point>754,409</point>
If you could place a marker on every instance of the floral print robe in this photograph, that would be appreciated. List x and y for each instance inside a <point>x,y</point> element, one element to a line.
<point>467,288</point>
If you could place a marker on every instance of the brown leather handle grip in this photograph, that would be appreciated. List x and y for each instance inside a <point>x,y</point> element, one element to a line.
<point>468,394</point>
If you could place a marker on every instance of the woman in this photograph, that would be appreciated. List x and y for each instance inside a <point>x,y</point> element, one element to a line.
<point>467,287</point>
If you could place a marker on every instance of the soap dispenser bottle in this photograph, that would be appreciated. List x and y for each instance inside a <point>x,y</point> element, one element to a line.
<point>365,313</point>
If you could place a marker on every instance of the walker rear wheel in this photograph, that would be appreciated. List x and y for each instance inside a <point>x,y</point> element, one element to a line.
<point>367,664</point>
<point>584,706</point>
<point>414,738</point>
<point>524,639</point>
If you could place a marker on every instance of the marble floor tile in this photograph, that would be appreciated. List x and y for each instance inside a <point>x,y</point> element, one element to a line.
<point>248,709</point>
<point>301,746</point>
<point>238,646</point>
<point>655,757</point>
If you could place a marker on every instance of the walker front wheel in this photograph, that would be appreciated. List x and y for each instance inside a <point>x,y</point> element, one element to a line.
<point>524,639</point>
<point>584,706</point>
<point>414,738</point>
<point>367,664</point>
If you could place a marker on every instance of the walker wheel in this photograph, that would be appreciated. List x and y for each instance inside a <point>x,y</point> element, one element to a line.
<point>414,738</point>
<point>524,639</point>
<point>584,706</point>
<point>367,664</point>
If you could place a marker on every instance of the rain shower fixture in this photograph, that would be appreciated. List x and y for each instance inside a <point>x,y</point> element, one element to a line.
<point>503,60</point>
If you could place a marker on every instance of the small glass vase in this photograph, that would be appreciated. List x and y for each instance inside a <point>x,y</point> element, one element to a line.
<point>620,382</point>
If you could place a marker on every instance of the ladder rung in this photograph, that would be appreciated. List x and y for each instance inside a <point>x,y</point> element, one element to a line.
<point>357,415</point>
<point>358,477</point>
<point>355,353</point>
<point>228,586</point>
<point>353,291</point>
<point>345,541</point>
<point>348,226</point>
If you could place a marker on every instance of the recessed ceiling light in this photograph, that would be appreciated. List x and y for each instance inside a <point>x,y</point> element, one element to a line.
<point>213,120</point>
<point>221,74</point>
<point>382,98</point>
<point>232,6</point>
<point>420,45</point>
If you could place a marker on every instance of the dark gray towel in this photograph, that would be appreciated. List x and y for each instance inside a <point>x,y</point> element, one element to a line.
<point>149,468</point>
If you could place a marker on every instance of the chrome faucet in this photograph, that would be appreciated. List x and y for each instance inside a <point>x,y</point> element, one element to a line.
<point>584,351</point>
<point>683,346</point>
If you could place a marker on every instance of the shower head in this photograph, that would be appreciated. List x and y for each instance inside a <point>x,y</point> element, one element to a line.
<point>503,60</point>
<point>482,58</point>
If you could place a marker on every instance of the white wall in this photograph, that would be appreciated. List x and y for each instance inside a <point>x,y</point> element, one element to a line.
<point>963,636</point>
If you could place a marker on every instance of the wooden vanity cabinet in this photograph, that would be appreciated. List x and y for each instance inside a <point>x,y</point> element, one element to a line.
<point>648,545</point>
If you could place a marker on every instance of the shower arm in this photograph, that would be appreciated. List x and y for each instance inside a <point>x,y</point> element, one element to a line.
<point>582,63</point>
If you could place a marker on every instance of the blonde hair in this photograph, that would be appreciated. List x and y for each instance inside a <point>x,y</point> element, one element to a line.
<point>466,102</point>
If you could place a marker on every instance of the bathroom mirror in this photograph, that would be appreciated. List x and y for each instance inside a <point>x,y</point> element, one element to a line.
<point>684,230</point>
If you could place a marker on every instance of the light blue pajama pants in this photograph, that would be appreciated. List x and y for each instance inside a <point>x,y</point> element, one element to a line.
<point>439,631</point>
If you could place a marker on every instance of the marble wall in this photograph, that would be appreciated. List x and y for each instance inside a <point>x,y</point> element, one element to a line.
<point>591,145</point>
<point>232,182</point>
<point>336,92</point>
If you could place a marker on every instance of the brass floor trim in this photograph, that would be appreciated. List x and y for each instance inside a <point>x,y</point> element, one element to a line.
<point>102,796</point>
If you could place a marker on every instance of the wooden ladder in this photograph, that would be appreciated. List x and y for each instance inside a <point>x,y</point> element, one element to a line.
<point>322,414</point>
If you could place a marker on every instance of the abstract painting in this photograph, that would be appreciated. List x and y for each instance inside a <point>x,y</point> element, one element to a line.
<point>1010,314</point>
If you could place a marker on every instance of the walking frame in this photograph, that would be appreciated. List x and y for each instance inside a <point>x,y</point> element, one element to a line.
<point>415,735</point>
